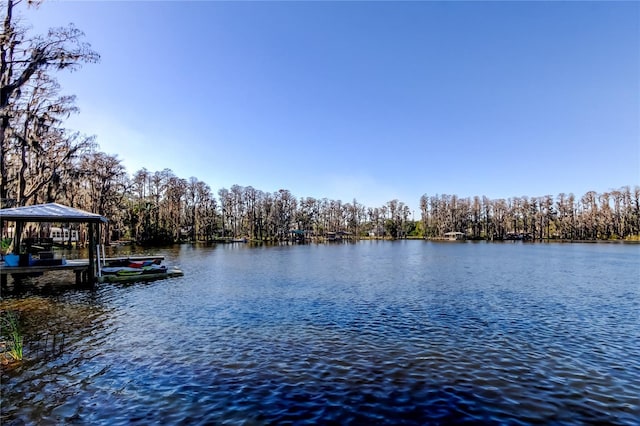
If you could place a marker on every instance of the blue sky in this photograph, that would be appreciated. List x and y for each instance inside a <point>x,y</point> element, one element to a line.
<point>365,100</point>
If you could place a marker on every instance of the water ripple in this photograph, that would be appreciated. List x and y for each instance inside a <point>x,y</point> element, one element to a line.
<point>412,334</point>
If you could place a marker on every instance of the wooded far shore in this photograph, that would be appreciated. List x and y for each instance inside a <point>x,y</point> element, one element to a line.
<point>160,208</point>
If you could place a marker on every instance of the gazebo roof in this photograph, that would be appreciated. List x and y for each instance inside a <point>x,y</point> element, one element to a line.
<point>51,212</point>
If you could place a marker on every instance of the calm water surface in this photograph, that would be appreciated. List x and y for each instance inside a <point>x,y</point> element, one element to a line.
<point>406,332</point>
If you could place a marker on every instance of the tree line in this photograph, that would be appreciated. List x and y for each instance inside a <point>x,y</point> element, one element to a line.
<point>594,216</point>
<point>42,161</point>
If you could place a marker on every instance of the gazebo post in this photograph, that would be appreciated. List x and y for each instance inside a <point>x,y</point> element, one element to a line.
<point>92,247</point>
<point>17,238</point>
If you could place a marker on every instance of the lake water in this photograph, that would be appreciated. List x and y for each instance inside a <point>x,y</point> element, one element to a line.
<point>405,332</point>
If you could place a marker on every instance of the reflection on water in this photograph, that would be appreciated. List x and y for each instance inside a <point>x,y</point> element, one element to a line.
<point>375,332</point>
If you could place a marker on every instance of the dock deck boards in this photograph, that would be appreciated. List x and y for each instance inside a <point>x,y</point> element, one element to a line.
<point>79,266</point>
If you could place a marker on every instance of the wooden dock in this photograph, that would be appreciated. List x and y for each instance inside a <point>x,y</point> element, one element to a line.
<point>80,267</point>
<point>132,258</point>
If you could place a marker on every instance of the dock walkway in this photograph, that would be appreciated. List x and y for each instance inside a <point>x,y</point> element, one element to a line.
<point>79,266</point>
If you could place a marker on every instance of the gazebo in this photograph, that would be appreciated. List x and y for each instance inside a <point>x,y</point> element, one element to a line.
<point>52,213</point>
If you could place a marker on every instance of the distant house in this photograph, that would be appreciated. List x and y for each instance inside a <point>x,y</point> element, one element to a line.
<point>338,236</point>
<point>298,235</point>
<point>61,235</point>
<point>454,236</point>
<point>332,236</point>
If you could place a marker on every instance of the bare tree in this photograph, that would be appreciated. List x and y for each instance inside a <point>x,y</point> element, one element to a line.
<point>23,59</point>
<point>106,183</point>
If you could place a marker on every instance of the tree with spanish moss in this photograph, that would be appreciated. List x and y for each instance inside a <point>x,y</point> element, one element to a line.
<point>30,109</point>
